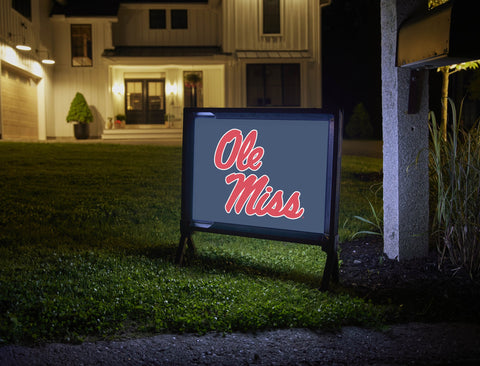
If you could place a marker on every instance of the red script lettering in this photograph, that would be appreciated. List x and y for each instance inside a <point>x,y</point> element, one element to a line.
<point>252,193</point>
<point>248,192</point>
<point>243,153</point>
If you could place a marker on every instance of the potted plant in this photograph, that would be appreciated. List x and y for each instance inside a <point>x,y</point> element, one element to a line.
<point>81,116</point>
<point>120,120</point>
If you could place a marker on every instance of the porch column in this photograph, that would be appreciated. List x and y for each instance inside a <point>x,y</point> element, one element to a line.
<point>405,144</point>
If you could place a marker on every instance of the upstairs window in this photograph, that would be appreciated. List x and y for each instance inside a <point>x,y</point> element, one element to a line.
<point>24,7</point>
<point>158,19</point>
<point>81,43</point>
<point>271,16</point>
<point>179,19</point>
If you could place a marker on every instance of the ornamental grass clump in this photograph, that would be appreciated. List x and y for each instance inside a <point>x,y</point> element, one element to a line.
<point>455,181</point>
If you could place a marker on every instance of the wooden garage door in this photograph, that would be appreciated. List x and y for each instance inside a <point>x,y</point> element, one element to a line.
<point>19,105</point>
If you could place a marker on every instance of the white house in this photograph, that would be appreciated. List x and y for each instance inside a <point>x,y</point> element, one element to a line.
<point>147,60</point>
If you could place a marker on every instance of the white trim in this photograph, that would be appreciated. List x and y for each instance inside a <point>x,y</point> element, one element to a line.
<point>282,21</point>
<point>159,6</point>
<point>282,56</point>
<point>165,61</point>
<point>83,20</point>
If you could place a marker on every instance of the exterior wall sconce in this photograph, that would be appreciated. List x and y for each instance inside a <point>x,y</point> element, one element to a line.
<point>118,89</point>
<point>172,89</point>
<point>47,60</point>
<point>22,44</point>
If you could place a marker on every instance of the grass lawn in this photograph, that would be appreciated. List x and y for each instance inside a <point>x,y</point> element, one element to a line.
<point>88,234</point>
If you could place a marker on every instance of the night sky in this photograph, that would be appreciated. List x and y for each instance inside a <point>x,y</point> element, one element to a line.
<point>351,58</point>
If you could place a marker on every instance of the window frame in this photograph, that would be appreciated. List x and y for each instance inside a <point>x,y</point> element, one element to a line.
<point>89,46</point>
<point>263,80</point>
<point>262,5</point>
<point>178,11</point>
<point>157,13</point>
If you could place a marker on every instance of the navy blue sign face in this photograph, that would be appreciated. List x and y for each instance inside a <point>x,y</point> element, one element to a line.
<point>260,170</point>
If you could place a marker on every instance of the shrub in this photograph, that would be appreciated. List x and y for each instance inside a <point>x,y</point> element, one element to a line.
<point>455,181</point>
<point>79,110</point>
<point>359,126</point>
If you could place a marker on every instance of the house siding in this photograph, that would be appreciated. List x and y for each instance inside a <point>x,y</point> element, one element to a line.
<point>37,33</point>
<point>233,26</point>
<point>300,23</point>
<point>242,26</point>
<point>133,28</point>
<point>91,81</point>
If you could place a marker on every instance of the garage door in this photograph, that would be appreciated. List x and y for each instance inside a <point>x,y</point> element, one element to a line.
<point>19,116</point>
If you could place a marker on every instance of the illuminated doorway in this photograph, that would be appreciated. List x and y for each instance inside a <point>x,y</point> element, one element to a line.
<point>145,101</point>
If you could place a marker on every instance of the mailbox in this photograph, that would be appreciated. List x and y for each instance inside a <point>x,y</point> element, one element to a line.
<point>446,35</point>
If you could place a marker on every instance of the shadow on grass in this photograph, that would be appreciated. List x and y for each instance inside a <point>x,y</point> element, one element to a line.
<point>221,262</point>
<point>224,263</point>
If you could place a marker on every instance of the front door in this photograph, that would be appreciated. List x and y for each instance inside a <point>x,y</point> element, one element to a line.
<point>145,101</point>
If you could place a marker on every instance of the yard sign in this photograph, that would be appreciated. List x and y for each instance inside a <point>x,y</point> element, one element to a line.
<point>264,173</point>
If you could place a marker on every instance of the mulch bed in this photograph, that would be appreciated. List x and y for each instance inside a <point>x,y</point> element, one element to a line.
<point>424,291</point>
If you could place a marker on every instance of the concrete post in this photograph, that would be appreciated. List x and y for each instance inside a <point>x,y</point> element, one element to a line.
<point>405,144</point>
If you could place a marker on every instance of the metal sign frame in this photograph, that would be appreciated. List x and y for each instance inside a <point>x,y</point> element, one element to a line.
<point>327,239</point>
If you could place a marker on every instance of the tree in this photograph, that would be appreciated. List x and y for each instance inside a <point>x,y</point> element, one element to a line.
<point>359,125</point>
<point>474,86</point>
<point>434,3</point>
<point>446,72</point>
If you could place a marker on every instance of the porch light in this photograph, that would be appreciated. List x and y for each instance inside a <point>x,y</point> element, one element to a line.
<point>118,88</point>
<point>22,44</point>
<point>47,60</point>
<point>172,88</point>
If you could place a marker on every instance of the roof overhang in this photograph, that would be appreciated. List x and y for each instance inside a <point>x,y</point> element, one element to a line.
<point>143,55</point>
<point>274,55</point>
<point>162,51</point>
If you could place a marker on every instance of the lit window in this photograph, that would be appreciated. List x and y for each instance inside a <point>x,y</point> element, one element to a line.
<point>81,45</point>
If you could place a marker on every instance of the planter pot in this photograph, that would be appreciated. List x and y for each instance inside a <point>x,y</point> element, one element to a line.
<point>81,131</point>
